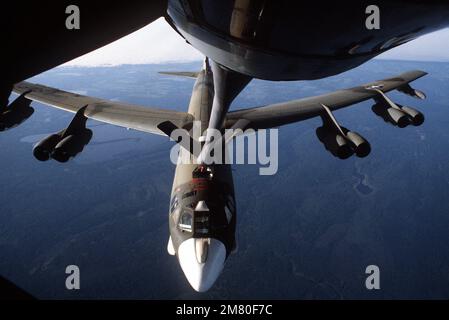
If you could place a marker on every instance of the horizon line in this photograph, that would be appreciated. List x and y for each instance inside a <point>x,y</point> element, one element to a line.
<point>106,65</point>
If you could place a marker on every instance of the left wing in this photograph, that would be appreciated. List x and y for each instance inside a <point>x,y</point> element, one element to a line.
<point>297,110</point>
<point>187,74</point>
<point>135,117</point>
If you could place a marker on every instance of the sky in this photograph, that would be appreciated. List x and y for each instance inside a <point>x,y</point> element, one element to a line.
<point>159,43</point>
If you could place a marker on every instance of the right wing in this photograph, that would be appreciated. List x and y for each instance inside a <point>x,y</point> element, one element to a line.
<point>121,114</point>
<point>278,114</point>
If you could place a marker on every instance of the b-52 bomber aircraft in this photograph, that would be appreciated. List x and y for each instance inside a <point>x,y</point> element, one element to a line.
<point>242,40</point>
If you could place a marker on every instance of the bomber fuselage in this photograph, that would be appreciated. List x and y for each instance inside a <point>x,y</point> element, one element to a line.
<point>202,214</point>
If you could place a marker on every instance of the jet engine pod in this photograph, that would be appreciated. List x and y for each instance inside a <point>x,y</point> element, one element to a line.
<point>71,145</point>
<point>392,115</point>
<point>16,113</point>
<point>334,142</point>
<point>407,89</point>
<point>416,118</point>
<point>43,149</point>
<point>362,147</point>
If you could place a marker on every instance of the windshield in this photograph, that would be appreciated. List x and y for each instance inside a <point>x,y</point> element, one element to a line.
<point>185,222</point>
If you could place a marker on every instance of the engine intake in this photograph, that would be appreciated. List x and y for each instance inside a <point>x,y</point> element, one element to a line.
<point>361,147</point>
<point>415,117</point>
<point>43,149</point>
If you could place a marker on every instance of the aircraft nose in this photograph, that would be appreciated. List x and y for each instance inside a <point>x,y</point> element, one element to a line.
<point>202,260</point>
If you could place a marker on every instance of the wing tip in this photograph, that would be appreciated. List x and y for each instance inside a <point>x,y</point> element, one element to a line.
<point>420,73</point>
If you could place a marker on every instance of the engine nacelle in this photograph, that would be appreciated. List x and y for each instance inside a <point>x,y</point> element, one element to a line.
<point>43,149</point>
<point>407,89</point>
<point>334,142</point>
<point>362,148</point>
<point>416,118</point>
<point>71,145</point>
<point>392,115</point>
<point>14,115</point>
<point>66,143</point>
<point>343,146</point>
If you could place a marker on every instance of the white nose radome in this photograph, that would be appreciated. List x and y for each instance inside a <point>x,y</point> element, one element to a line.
<point>202,260</point>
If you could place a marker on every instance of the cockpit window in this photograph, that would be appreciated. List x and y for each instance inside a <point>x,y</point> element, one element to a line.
<point>189,194</point>
<point>186,221</point>
<point>174,203</point>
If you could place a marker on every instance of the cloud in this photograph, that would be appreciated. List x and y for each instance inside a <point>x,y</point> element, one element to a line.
<point>158,42</point>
